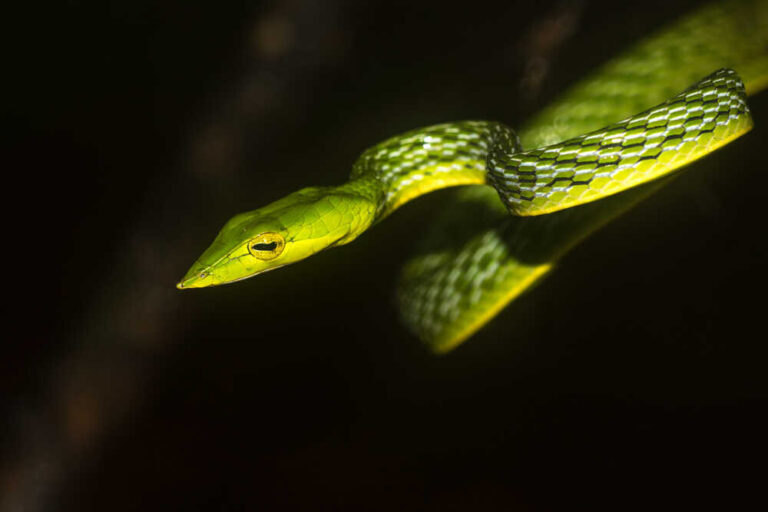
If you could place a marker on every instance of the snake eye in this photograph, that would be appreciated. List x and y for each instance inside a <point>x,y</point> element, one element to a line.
<point>266,246</point>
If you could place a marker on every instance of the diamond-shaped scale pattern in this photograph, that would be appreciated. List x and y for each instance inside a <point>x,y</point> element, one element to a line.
<point>625,154</point>
<point>425,159</point>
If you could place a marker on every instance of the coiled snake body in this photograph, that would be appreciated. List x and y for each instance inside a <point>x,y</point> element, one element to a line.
<point>452,289</point>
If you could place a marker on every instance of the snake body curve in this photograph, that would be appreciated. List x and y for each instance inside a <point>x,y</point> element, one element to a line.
<point>551,177</point>
<point>457,283</point>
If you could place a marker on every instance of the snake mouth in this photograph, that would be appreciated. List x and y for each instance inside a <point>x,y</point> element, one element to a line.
<point>205,278</point>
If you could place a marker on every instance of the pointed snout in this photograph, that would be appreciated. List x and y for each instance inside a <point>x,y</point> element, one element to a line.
<point>197,277</point>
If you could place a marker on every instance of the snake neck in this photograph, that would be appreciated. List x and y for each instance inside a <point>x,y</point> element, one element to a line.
<point>427,159</point>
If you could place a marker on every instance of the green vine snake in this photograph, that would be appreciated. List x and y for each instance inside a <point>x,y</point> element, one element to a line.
<point>584,169</point>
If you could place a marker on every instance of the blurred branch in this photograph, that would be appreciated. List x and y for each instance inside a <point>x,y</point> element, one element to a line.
<point>541,44</point>
<point>121,342</point>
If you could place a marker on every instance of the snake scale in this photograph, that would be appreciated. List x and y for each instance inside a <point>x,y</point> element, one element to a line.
<point>583,169</point>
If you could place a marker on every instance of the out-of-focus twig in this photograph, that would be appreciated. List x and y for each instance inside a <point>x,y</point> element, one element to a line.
<point>541,44</point>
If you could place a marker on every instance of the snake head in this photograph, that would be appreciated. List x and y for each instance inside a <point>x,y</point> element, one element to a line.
<point>284,232</point>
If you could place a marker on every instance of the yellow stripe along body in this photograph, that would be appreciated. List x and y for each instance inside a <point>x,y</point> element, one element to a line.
<point>622,155</point>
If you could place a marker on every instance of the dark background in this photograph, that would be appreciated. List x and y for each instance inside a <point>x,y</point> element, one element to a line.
<point>632,377</point>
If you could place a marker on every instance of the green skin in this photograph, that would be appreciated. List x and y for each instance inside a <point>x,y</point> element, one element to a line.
<point>309,220</point>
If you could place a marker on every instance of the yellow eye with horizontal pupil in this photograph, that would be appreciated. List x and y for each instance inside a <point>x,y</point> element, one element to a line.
<point>266,246</point>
